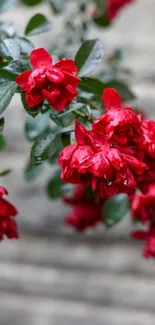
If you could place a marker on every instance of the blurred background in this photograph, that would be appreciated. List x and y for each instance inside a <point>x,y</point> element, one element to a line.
<point>53,276</point>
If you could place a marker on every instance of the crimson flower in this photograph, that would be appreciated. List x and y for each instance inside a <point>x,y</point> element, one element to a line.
<point>96,163</point>
<point>143,210</point>
<point>119,124</point>
<point>113,7</point>
<point>55,83</point>
<point>8,225</point>
<point>86,212</point>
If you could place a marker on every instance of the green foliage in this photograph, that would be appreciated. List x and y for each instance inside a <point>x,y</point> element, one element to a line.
<point>56,188</point>
<point>37,24</point>
<point>34,127</point>
<point>2,142</point>
<point>6,29</point>
<point>7,90</point>
<point>43,148</point>
<point>57,5</point>
<point>5,172</point>
<point>89,56</point>
<point>115,209</point>
<point>9,48</point>
<point>32,172</point>
<point>32,2</point>
<point>2,122</point>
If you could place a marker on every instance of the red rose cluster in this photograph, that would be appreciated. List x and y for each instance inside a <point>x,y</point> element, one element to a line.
<point>56,83</point>
<point>143,210</point>
<point>108,157</point>
<point>8,225</point>
<point>86,212</point>
<point>114,6</point>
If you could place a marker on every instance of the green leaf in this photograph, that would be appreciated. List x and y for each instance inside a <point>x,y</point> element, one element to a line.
<point>24,44</point>
<point>32,3</point>
<point>6,29</point>
<point>67,129</point>
<point>122,88</point>
<point>115,209</point>
<point>2,142</point>
<point>101,21</point>
<point>32,172</point>
<point>6,5</point>
<point>7,90</point>
<point>89,56</point>
<point>38,24</point>
<point>57,5</point>
<point>9,48</point>
<point>34,127</point>
<point>32,111</point>
<point>2,122</point>
<point>92,86</point>
<point>54,186</point>
<point>16,67</point>
<point>5,172</point>
<point>72,108</point>
<point>43,148</point>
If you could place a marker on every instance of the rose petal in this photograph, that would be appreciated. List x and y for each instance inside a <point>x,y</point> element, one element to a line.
<point>22,79</point>
<point>3,191</point>
<point>39,58</point>
<point>80,133</point>
<point>34,97</point>
<point>111,98</point>
<point>67,65</point>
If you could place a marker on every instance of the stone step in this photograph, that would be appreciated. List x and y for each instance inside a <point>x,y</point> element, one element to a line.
<point>98,288</point>
<point>78,253</point>
<point>18,309</point>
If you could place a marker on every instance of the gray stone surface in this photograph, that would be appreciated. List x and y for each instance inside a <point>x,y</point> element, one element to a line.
<point>52,276</point>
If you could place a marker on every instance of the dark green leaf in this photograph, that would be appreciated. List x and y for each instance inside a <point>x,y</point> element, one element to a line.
<point>101,21</point>
<point>57,5</point>
<point>32,111</point>
<point>115,209</point>
<point>43,148</point>
<point>32,172</point>
<point>38,24</point>
<point>6,5</point>
<point>5,172</point>
<point>122,88</point>
<point>32,2</point>
<point>2,122</point>
<point>2,142</point>
<point>7,90</point>
<point>34,127</point>
<point>92,86</point>
<point>89,56</point>
<point>6,29</point>
<point>54,186</point>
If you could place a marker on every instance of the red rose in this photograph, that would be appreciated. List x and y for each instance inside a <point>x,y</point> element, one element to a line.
<point>114,6</point>
<point>91,162</point>
<point>149,237</point>
<point>86,212</point>
<point>55,83</point>
<point>8,225</point>
<point>118,124</point>
<point>143,210</point>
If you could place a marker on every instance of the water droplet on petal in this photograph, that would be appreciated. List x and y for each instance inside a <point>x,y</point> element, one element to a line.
<point>125,182</point>
<point>109,183</point>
